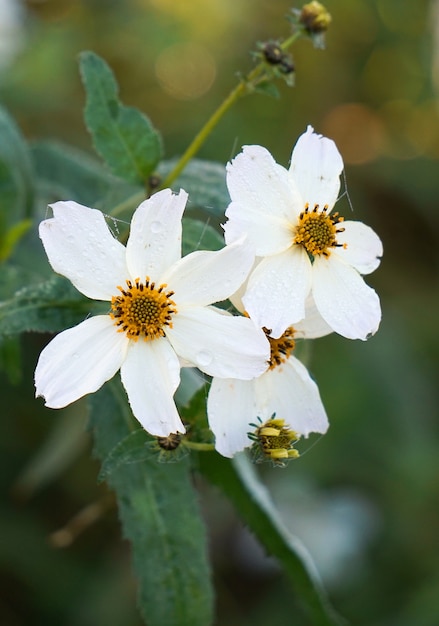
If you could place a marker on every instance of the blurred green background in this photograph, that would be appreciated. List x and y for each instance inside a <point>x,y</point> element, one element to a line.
<point>365,498</point>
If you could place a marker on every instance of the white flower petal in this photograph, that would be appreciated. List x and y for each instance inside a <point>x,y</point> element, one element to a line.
<point>289,391</point>
<point>313,325</point>
<point>204,277</point>
<point>347,304</point>
<point>264,201</point>
<point>364,248</point>
<point>316,166</point>
<point>79,360</point>
<point>268,235</point>
<point>230,410</point>
<point>150,375</point>
<point>80,246</point>
<point>277,290</point>
<point>220,345</point>
<point>155,236</point>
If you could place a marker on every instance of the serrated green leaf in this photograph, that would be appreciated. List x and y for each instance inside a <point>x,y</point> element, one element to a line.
<point>68,173</point>
<point>46,307</point>
<point>160,517</point>
<point>237,479</point>
<point>131,449</point>
<point>136,447</point>
<point>16,176</point>
<point>205,181</point>
<point>123,136</point>
<point>198,235</point>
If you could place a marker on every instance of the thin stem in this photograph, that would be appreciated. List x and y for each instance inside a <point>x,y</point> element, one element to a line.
<point>86,517</point>
<point>245,86</point>
<point>201,447</point>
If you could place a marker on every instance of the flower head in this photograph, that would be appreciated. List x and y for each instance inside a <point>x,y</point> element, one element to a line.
<point>301,246</point>
<point>315,18</point>
<point>274,441</point>
<point>159,314</point>
<point>285,388</point>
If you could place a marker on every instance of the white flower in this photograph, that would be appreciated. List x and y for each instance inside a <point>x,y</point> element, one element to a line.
<point>301,247</point>
<point>285,388</point>
<point>159,311</point>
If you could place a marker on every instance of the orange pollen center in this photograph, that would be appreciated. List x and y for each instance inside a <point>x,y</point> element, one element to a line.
<point>317,231</point>
<point>143,310</point>
<point>281,348</point>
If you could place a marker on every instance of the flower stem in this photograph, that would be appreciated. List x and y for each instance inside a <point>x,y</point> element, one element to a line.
<point>201,447</point>
<point>245,86</point>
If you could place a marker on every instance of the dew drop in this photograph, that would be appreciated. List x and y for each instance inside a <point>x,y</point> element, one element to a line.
<point>204,358</point>
<point>156,227</point>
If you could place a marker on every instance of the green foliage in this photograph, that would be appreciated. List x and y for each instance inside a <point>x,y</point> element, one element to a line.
<point>16,186</point>
<point>159,513</point>
<point>198,235</point>
<point>206,183</point>
<point>11,238</point>
<point>123,136</point>
<point>69,173</point>
<point>16,176</point>
<point>133,448</point>
<point>10,361</point>
<point>49,306</point>
<point>238,481</point>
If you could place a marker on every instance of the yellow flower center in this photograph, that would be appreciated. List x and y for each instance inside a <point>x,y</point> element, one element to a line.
<point>317,231</point>
<point>281,348</point>
<point>143,310</point>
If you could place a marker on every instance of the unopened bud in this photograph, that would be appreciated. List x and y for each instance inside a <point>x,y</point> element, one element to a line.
<point>315,18</point>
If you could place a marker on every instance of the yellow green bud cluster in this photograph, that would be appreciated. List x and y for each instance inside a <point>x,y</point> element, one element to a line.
<point>315,18</point>
<point>274,441</point>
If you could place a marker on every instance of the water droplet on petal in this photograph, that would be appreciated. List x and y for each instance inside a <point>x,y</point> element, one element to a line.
<point>204,358</point>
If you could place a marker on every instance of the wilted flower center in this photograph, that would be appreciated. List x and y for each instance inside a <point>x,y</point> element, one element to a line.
<point>317,231</point>
<point>281,348</point>
<point>143,309</point>
<point>274,441</point>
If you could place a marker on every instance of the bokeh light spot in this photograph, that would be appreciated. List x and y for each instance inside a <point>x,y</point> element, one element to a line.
<point>186,71</point>
<point>357,131</point>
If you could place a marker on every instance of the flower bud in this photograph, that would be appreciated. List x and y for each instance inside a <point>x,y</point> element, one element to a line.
<point>315,18</point>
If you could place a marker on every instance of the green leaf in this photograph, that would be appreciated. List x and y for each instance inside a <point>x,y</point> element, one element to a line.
<point>159,513</point>
<point>205,181</point>
<point>136,447</point>
<point>16,176</point>
<point>12,237</point>
<point>123,136</point>
<point>10,359</point>
<point>68,173</point>
<point>46,307</point>
<point>237,479</point>
<point>131,449</point>
<point>198,235</point>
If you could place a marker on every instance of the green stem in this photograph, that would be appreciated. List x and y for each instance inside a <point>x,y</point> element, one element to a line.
<point>200,447</point>
<point>245,86</point>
